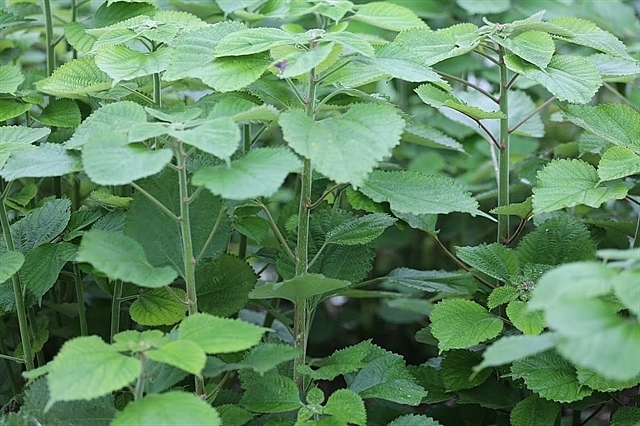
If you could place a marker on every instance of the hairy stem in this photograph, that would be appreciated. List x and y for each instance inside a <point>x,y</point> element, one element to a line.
<point>503,159</point>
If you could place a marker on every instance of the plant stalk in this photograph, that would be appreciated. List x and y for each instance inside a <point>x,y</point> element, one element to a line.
<point>187,246</point>
<point>503,158</point>
<point>115,308</point>
<point>23,325</point>
<point>82,311</point>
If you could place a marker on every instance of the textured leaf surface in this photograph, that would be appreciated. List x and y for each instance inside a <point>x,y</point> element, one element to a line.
<point>351,41</point>
<point>45,160</point>
<point>267,356</point>
<point>40,225</point>
<point>169,409</point>
<point>401,63</point>
<point>529,322</point>
<point>60,113</point>
<point>418,193</point>
<point>568,183</point>
<point>414,420</point>
<point>302,61</point>
<point>185,355</point>
<point>220,335</point>
<point>253,40</point>
<point>456,370</point>
<point>259,173</point>
<point>594,336</point>
<point>534,411</point>
<point>123,63</point>
<point>77,36</point>
<point>428,136</point>
<point>346,406</point>
<point>551,377</point>
<point>361,230</point>
<point>22,134</point>
<point>270,394</point>
<point>432,281</point>
<point>618,162</point>
<point>366,131</point>
<point>158,307</point>
<point>533,46</point>
<point>435,46</point>
<point>10,78</point>
<point>595,381</point>
<point>219,137</point>
<point>512,348</point>
<point>43,264</point>
<point>86,368</point>
<point>120,257</point>
<point>461,323</point>
<point>298,289</point>
<point>109,160</point>
<point>437,98</point>
<point>494,259</point>
<point>388,16</point>
<point>586,33</point>
<point>618,124</point>
<point>340,362</point>
<point>570,78</point>
<point>223,285</point>
<point>10,263</point>
<point>75,78</point>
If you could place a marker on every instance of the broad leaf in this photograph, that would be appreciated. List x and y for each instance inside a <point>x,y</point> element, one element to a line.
<point>494,259</point>
<point>535,47</point>
<point>185,355</point>
<point>254,40</point>
<point>346,406</point>
<point>401,63</point>
<point>551,377</point>
<point>120,257</point>
<point>40,225</point>
<point>429,136</point>
<point>170,409</point>
<point>361,230</point>
<point>270,394</point>
<point>10,78</point>
<point>267,356</point>
<point>159,306</point>
<point>60,113</point>
<point>588,34</point>
<point>434,46</point>
<point>534,411</point>
<point>298,289</point>
<point>123,63</point>
<point>366,131</point>
<point>77,36</point>
<point>220,335</point>
<point>418,193</point>
<point>432,281</point>
<point>43,264</point>
<point>461,323</point>
<point>259,173</point>
<point>569,78</point>
<point>341,362</point>
<point>10,108</point>
<point>595,381</point>
<point>437,98</point>
<point>529,322</point>
<point>388,16</point>
<point>10,263</point>
<point>627,291</point>
<point>76,78</point>
<point>45,160</point>
<point>219,137</point>
<point>302,61</point>
<point>512,348</point>
<point>351,41</point>
<point>456,370</point>
<point>86,368</point>
<point>22,134</point>
<point>618,162</point>
<point>414,420</point>
<point>568,183</point>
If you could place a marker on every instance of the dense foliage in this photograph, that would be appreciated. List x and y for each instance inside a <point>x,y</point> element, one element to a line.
<point>319,212</point>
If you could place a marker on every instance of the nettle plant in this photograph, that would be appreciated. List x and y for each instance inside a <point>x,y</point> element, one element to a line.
<point>162,136</point>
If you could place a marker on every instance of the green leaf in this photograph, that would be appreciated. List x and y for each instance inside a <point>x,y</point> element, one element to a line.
<point>366,131</point>
<point>614,69</point>
<point>253,40</point>
<point>594,336</point>
<point>22,134</point>
<point>437,98</point>
<point>351,41</point>
<point>456,370</point>
<point>586,33</point>
<point>223,285</point>
<point>11,109</point>
<point>482,8</point>
<point>267,356</point>
<point>60,113</point>
<point>159,307</point>
<point>389,16</point>
<point>302,61</point>
<point>418,193</point>
<point>234,415</point>
<point>298,289</point>
<point>494,259</point>
<point>551,377</point>
<point>535,47</point>
<point>626,416</point>
<point>431,137</point>
<point>40,225</point>
<point>414,420</point>
<point>534,411</point>
<point>346,406</point>
<point>341,362</point>
<point>122,63</point>
<point>120,257</point>
<point>220,335</point>
<point>172,408</point>
<point>435,46</point>
<point>595,381</point>
<point>568,183</point>
<point>137,341</point>
<point>270,394</point>
<point>560,283</point>
<point>43,264</point>
<point>160,235</point>
<point>183,354</point>
<point>78,37</point>
<point>618,124</point>
<point>10,78</point>
<point>512,348</point>
<point>386,377</point>
<point>570,78</point>
<point>110,160</point>
<point>524,320</point>
<point>128,114</point>
<point>76,78</point>
<point>432,281</point>
<point>10,263</point>
<point>618,162</point>
<point>461,323</point>
<point>219,137</point>
<point>628,293</point>
<point>259,173</point>
<point>399,62</point>
<point>360,230</point>
<point>45,160</point>
<point>501,295</point>
<point>522,210</point>
<point>565,239</point>
<point>86,368</point>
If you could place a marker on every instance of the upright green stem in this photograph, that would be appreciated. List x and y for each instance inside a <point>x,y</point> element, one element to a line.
<point>82,312</point>
<point>246,146</point>
<point>48,24</point>
<point>17,290</point>
<point>503,159</point>
<point>115,309</point>
<point>302,249</point>
<point>187,245</point>
<point>32,331</point>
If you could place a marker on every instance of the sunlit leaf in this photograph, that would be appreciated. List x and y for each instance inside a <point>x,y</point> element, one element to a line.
<point>172,408</point>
